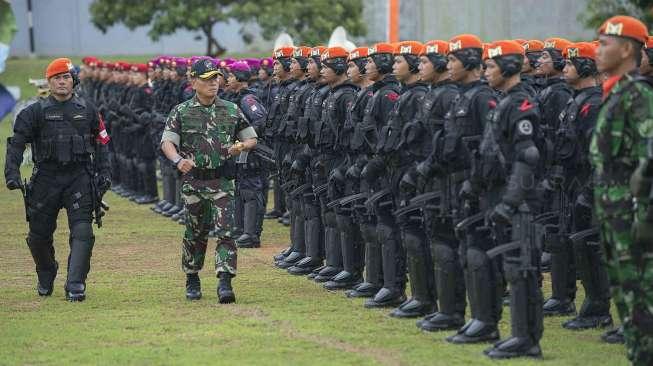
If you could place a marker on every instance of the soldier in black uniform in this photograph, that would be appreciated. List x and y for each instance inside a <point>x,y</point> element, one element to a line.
<point>71,171</point>
<point>334,112</point>
<point>574,178</point>
<point>384,94</point>
<point>287,132</point>
<point>451,163</point>
<point>276,112</point>
<point>386,169</point>
<point>552,101</point>
<point>532,53</point>
<point>301,170</point>
<point>437,102</point>
<point>507,170</point>
<point>250,182</point>
<point>351,241</point>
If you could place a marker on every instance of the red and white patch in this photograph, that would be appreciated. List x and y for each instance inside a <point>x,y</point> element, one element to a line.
<point>492,104</point>
<point>103,136</point>
<point>525,106</point>
<point>585,110</point>
<point>393,96</point>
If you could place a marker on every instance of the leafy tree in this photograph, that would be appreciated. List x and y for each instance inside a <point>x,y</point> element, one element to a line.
<point>307,21</point>
<point>600,10</point>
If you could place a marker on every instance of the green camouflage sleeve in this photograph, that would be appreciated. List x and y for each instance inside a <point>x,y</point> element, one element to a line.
<point>173,128</point>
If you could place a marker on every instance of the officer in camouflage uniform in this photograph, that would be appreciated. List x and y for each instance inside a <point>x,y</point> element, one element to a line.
<point>622,144</point>
<point>203,129</point>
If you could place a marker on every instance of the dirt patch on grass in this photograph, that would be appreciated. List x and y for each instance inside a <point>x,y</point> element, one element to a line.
<point>382,356</point>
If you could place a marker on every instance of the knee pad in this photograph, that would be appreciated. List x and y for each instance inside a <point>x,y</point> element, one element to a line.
<point>311,211</point>
<point>555,243</point>
<point>413,243</point>
<point>511,266</point>
<point>476,259</point>
<point>247,195</point>
<point>443,255</point>
<point>82,231</point>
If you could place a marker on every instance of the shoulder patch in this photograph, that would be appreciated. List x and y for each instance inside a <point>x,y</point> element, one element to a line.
<point>525,106</point>
<point>492,103</point>
<point>392,96</point>
<point>585,109</point>
<point>525,127</point>
<point>148,90</point>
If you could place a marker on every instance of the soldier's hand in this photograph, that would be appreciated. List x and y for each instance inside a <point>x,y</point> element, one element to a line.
<point>13,184</point>
<point>185,165</point>
<point>502,214</point>
<point>236,148</point>
<point>467,191</point>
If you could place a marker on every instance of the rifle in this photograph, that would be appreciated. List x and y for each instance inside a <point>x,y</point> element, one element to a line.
<point>581,236</point>
<point>522,239</point>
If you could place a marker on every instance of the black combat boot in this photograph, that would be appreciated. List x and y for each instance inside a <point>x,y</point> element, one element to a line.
<point>46,281</point>
<point>614,336</point>
<point>75,292</point>
<point>225,291</point>
<point>193,287</point>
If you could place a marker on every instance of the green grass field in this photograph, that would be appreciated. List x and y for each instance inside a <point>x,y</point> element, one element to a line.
<point>136,313</point>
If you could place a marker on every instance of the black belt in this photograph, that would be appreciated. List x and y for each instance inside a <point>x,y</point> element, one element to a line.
<point>205,174</point>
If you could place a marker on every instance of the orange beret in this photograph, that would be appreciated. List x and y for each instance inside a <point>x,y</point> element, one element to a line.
<point>463,41</point>
<point>58,66</point>
<point>436,46</point>
<point>533,45</point>
<point>625,26</point>
<point>381,48</point>
<point>580,49</point>
<point>285,51</point>
<point>409,48</point>
<point>520,40</point>
<point>556,43</point>
<point>504,48</point>
<point>334,52</point>
<point>357,53</point>
<point>302,51</point>
<point>317,51</point>
<point>649,42</point>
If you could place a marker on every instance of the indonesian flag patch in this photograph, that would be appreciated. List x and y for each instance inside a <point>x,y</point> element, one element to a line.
<point>103,136</point>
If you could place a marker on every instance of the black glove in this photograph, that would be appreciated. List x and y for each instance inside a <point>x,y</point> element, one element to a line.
<point>102,184</point>
<point>354,172</point>
<point>502,214</point>
<point>467,191</point>
<point>13,183</point>
<point>407,183</point>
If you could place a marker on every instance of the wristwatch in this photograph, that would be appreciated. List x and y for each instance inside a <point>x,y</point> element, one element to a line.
<point>177,160</point>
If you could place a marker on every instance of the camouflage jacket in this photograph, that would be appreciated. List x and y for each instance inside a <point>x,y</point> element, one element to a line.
<point>624,123</point>
<point>204,133</point>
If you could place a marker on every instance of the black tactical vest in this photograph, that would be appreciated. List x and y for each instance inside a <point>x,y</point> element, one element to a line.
<point>391,137</point>
<point>370,128</point>
<point>65,136</point>
<point>329,125</point>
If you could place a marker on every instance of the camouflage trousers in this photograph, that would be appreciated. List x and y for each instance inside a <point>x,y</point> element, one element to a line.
<point>208,205</point>
<point>631,278</point>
